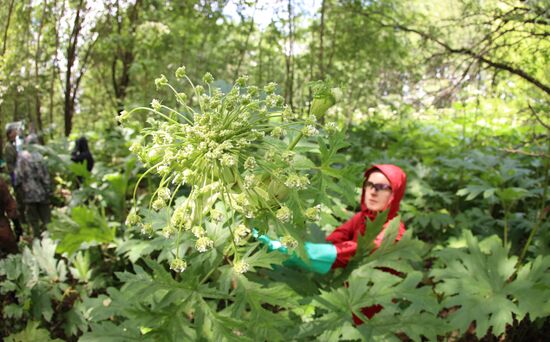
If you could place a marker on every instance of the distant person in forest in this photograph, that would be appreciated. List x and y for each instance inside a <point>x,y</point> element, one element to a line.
<point>383,188</point>
<point>10,156</point>
<point>8,211</point>
<point>81,154</point>
<point>31,174</point>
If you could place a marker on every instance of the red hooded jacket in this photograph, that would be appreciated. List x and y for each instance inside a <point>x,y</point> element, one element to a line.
<point>345,236</point>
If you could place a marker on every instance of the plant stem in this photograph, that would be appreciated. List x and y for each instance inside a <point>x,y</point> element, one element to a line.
<point>507,210</point>
<point>295,141</point>
<point>541,213</point>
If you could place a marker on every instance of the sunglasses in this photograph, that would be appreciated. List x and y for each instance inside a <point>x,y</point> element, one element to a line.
<point>378,186</point>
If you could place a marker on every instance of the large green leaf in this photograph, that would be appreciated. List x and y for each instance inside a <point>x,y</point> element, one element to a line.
<point>478,281</point>
<point>84,226</point>
<point>32,332</point>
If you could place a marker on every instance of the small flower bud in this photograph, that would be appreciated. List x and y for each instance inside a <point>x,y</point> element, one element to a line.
<point>178,217</point>
<point>252,91</point>
<point>270,88</point>
<point>250,163</point>
<point>295,181</point>
<point>250,181</point>
<point>198,231</point>
<point>133,218</point>
<point>241,233</point>
<point>123,117</point>
<point>284,214</point>
<point>288,156</point>
<point>313,213</point>
<point>331,127</point>
<point>241,267</point>
<point>155,104</point>
<point>161,81</point>
<point>277,132</point>
<point>241,81</point>
<point>163,193</point>
<point>309,131</point>
<point>180,72</point>
<point>158,204</point>
<point>289,242</point>
<point>203,244</point>
<point>168,231</point>
<point>208,78</point>
<point>178,265</point>
<point>182,98</point>
<point>216,215</point>
<point>227,160</point>
<point>147,229</point>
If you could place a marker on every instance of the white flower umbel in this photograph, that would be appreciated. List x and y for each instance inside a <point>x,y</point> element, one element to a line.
<point>241,267</point>
<point>203,244</point>
<point>178,265</point>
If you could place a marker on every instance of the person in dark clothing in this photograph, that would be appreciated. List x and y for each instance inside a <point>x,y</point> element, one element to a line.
<point>10,155</point>
<point>81,153</point>
<point>8,211</point>
<point>33,177</point>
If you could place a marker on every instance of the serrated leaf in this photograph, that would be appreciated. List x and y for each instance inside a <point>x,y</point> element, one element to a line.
<point>32,332</point>
<point>41,303</point>
<point>109,332</point>
<point>478,282</point>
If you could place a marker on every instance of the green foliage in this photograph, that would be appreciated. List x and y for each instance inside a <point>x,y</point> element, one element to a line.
<point>471,136</point>
<point>84,225</point>
<point>483,283</point>
<point>38,282</point>
<point>32,333</point>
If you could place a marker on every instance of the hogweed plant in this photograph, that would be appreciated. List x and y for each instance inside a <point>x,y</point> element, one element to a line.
<point>237,148</point>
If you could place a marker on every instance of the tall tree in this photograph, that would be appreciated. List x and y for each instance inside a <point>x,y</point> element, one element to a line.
<point>125,54</point>
<point>37,56</point>
<point>289,52</point>
<point>75,53</point>
<point>4,46</point>
<point>321,40</point>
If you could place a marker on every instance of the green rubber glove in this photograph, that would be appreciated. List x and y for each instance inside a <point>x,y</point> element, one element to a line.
<point>321,255</point>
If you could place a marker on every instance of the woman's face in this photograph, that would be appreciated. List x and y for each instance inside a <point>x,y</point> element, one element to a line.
<point>378,192</point>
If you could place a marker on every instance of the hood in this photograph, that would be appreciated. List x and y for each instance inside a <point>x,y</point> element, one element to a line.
<point>398,181</point>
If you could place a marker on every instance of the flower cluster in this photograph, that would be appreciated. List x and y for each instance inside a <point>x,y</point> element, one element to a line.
<point>313,213</point>
<point>284,214</point>
<point>295,181</point>
<point>178,265</point>
<point>241,233</point>
<point>241,267</point>
<point>289,242</point>
<point>203,244</point>
<point>235,147</point>
<point>147,229</point>
<point>133,218</point>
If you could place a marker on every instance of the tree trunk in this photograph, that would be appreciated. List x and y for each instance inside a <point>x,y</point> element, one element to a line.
<point>4,43</point>
<point>288,58</point>
<point>321,36</point>
<point>245,46</point>
<point>260,65</point>
<point>4,46</point>
<point>37,102</point>
<point>55,67</point>
<point>69,103</point>
<point>125,54</point>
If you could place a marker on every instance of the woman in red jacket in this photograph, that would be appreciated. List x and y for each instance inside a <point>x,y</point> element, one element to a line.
<point>383,188</point>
